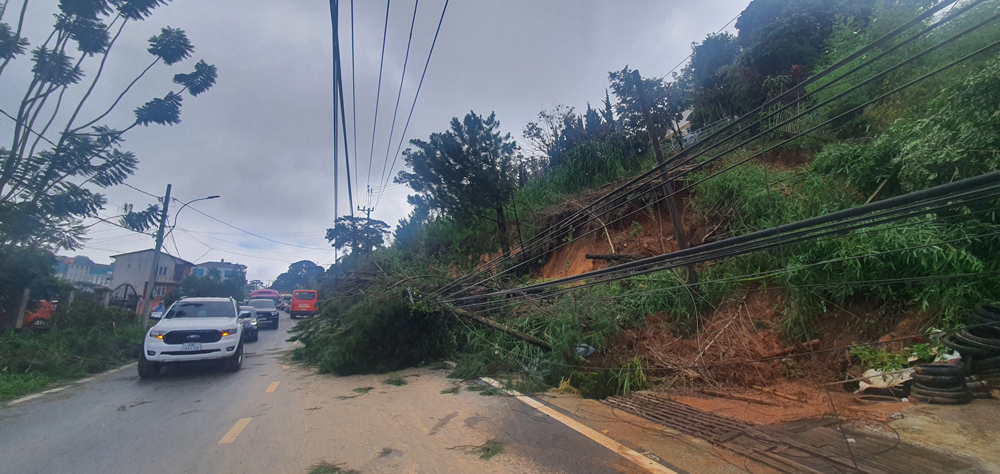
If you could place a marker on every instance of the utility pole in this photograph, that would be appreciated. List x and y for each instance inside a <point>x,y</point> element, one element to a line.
<point>147,298</point>
<point>668,185</point>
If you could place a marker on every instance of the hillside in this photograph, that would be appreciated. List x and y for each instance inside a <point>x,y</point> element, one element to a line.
<point>838,206</point>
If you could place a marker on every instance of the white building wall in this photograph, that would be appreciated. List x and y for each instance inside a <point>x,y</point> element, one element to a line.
<point>134,269</point>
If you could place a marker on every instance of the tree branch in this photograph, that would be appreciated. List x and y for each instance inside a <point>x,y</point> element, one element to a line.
<point>105,114</point>
<point>97,76</point>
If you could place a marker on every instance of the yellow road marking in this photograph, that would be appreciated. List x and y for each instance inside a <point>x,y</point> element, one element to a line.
<point>648,464</point>
<point>271,388</point>
<point>235,431</point>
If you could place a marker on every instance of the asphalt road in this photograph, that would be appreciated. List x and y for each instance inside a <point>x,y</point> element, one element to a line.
<point>276,417</point>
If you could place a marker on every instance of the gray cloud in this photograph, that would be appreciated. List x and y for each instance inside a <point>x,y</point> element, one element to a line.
<point>262,137</point>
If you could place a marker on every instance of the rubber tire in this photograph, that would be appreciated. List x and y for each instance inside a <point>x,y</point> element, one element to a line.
<point>942,401</point>
<point>962,395</point>
<point>235,361</point>
<point>256,336</point>
<point>957,389</point>
<point>987,311</point>
<point>939,369</point>
<point>990,344</point>
<point>275,325</point>
<point>939,381</point>
<point>965,350</point>
<point>147,369</point>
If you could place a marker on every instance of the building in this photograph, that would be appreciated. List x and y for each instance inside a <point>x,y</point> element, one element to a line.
<point>82,271</point>
<point>225,269</point>
<point>132,269</point>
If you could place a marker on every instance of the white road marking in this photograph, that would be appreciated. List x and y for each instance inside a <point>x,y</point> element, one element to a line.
<point>622,450</point>
<point>59,389</point>
<point>271,388</point>
<point>235,431</point>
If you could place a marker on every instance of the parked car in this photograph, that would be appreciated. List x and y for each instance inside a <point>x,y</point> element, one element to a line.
<point>266,294</point>
<point>41,317</point>
<point>267,313</point>
<point>286,302</point>
<point>194,329</point>
<point>248,317</point>
<point>303,303</point>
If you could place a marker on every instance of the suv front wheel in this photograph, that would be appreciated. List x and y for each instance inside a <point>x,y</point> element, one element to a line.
<point>148,369</point>
<point>234,362</point>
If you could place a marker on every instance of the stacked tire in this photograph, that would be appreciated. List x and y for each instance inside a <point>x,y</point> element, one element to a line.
<point>979,346</point>
<point>940,383</point>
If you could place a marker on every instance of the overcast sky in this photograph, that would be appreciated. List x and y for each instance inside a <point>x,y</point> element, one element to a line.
<point>262,137</point>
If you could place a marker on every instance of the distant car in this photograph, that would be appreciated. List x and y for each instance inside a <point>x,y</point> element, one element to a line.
<point>286,302</point>
<point>248,317</point>
<point>194,329</point>
<point>41,317</point>
<point>267,313</point>
<point>303,303</point>
<point>266,294</point>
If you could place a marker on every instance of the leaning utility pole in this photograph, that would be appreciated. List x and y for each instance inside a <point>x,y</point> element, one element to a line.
<point>668,185</point>
<point>147,297</point>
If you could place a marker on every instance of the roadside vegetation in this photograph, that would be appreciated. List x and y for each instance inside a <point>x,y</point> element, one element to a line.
<point>879,133</point>
<point>84,338</point>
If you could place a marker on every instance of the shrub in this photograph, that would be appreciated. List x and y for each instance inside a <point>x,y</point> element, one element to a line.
<point>373,334</point>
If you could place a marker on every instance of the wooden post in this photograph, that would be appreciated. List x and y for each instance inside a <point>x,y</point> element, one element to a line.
<point>107,299</point>
<point>669,186</point>
<point>21,310</point>
<point>500,327</point>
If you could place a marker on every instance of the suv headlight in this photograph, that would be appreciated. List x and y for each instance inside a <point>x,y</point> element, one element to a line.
<point>228,332</point>
<point>157,334</point>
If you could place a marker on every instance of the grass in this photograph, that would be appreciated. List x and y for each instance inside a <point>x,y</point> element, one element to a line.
<point>395,380</point>
<point>85,339</point>
<point>363,390</point>
<point>324,467</point>
<point>453,390</point>
<point>17,385</point>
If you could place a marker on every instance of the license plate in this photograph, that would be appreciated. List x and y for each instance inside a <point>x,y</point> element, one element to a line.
<point>191,346</point>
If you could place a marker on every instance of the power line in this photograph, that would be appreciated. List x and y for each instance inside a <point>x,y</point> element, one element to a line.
<point>415,96</point>
<point>946,196</point>
<point>248,232</point>
<point>378,92</point>
<point>399,95</point>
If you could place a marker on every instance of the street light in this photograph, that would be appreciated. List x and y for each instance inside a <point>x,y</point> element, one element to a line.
<point>182,208</point>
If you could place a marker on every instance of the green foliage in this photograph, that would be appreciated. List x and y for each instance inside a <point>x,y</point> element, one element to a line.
<point>485,451</point>
<point>22,267</point>
<point>373,334</point>
<point>48,187</point>
<point>880,358</point>
<point>604,383</point>
<point>360,234</point>
<point>324,467</point>
<point>467,171</point>
<point>957,137</point>
<point>778,34</point>
<point>86,338</point>
<point>300,275</point>
<point>212,284</point>
<point>395,380</point>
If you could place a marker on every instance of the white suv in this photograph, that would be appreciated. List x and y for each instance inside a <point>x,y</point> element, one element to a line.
<point>194,329</point>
